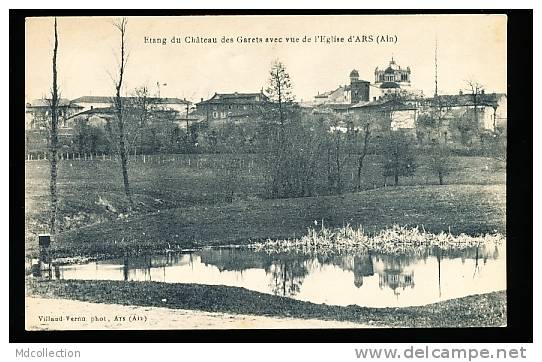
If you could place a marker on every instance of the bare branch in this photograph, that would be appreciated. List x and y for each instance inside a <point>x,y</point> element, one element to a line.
<point>119,107</point>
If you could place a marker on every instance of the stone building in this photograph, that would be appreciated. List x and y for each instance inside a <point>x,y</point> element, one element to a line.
<point>96,102</point>
<point>37,118</point>
<point>91,107</point>
<point>388,113</point>
<point>233,107</point>
<point>490,109</point>
<point>357,91</point>
<point>38,112</point>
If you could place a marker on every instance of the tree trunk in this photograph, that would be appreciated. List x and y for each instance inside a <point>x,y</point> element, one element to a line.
<point>120,120</point>
<point>362,156</point>
<point>396,166</point>
<point>440,178</point>
<point>53,144</point>
<point>329,173</point>
<point>279,91</point>
<point>438,261</point>
<point>360,166</point>
<point>124,165</point>
<point>338,188</point>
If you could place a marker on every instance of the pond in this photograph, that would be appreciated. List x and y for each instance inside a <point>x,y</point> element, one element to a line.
<point>373,280</point>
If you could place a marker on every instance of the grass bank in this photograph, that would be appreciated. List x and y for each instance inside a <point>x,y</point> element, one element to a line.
<point>395,240</point>
<point>470,209</point>
<point>473,311</point>
<point>91,191</point>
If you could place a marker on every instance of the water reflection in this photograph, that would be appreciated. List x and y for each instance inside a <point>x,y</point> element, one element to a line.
<point>395,272</point>
<point>363,267</point>
<point>286,271</point>
<point>365,279</point>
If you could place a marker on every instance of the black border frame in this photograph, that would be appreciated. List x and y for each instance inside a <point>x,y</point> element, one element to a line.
<point>519,202</point>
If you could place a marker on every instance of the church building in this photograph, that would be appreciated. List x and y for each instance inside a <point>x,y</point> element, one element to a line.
<point>392,80</point>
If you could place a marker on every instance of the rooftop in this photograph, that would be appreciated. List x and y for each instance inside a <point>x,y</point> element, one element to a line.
<point>62,102</point>
<point>385,104</point>
<point>486,99</point>
<point>109,99</point>
<point>328,93</point>
<point>387,85</point>
<point>237,98</point>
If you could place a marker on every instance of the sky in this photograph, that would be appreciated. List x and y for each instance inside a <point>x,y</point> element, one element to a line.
<point>470,47</point>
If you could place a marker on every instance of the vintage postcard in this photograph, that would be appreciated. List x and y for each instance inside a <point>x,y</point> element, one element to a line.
<point>265,171</point>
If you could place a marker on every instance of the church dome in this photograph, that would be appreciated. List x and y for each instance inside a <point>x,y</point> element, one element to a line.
<point>389,70</point>
<point>354,74</point>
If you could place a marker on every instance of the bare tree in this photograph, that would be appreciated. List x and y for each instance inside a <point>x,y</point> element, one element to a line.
<point>363,122</point>
<point>53,138</point>
<point>476,91</point>
<point>339,151</point>
<point>137,115</point>
<point>119,109</point>
<point>143,105</point>
<point>398,156</point>
<point>430,125</point>
<point>439,160</point>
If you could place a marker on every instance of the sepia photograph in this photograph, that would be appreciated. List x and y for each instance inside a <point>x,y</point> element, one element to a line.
<point>265,172</point>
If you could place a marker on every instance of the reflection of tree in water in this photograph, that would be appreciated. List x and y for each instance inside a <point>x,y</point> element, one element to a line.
<point>363,267</point>
<point>235,259</point>
<point>482,252</point>
<point>144,264</point>
<point>345,262</point>
<point>287,274</point>
<point>286,271</point>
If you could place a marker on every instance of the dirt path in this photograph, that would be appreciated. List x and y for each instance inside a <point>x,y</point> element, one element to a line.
<point>64,314</point>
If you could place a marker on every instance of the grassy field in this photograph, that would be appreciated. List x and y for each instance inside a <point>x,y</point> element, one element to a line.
<point>182,204</point>
<point>473,311</point>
